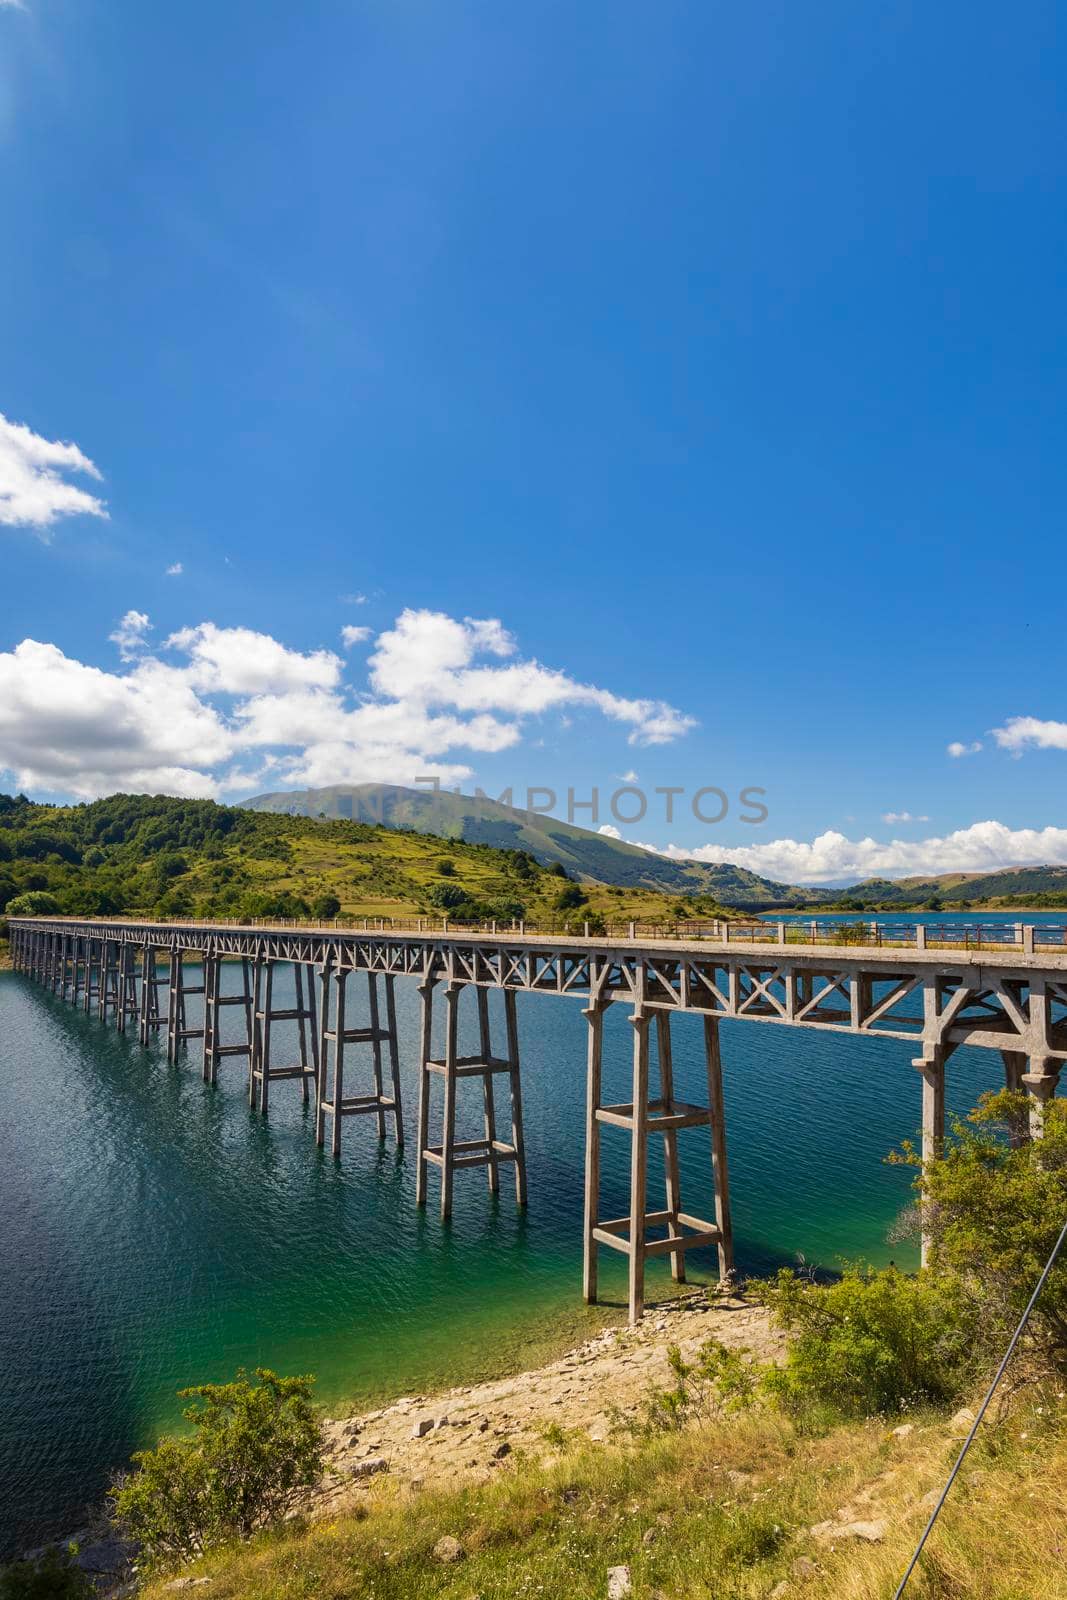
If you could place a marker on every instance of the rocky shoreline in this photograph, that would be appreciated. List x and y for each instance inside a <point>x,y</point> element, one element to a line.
<point>469,1432</point>
<point>466,1434</point>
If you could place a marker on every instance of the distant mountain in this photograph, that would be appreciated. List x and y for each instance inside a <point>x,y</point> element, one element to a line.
<point>477,820</point>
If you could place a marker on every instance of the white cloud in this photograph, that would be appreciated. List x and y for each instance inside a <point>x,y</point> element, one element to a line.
<point>351,635</point>
<point>353,599</point>
<point>174,571</point>
<point>429,657</point>
<point>1021,733</point>
<point>956,749</point>
<point>901,816</point>
<point>609,830</point>
<point>832,858</point>
<point>219,710</point>
<point>131,634</point>
<point>33,492</point>
<point>77,730</point>
<point>240,661</point>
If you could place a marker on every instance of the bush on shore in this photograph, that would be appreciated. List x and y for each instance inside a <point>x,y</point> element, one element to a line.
<point>255,1450</point>
<point>873,1344</point>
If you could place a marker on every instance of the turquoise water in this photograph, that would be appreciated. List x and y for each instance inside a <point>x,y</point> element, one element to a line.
<point>156,1233</point>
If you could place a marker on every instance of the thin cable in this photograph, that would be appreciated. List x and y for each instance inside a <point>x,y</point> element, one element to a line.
<point>1016,1336</point>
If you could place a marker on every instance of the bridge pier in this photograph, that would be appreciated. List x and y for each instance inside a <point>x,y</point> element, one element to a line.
<point>261,1072</point>
<point>1040,1081</point>
<point>488,1151</point>
<point>74,988</point>
<point>93,963</point>
<point>931,1066</point>
<point>643,1117</point>
<point>178,1029</point>
<point>331,1100</point>
<point>215,1001</point>
<point>126,1005</point>
<point>108,997</point>
<point>150,1016</point>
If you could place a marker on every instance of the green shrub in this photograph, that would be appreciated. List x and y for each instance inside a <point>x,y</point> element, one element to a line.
<point>717,1380</point>
<point>873,1343</point>
<point>570,899</point>
<point>505,909</point>
<point>326,906</point>
<point>262,903</point>
<point>255,1448</point>
<point>52,1576</point>
<point>36,903</point>
<point>994,1213</point>
<point>448,895</point>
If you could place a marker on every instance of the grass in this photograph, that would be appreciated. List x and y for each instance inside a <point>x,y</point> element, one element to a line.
<point>721,1510</point>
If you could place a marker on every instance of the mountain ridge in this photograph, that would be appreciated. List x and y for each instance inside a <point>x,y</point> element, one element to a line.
<point>597,857</point>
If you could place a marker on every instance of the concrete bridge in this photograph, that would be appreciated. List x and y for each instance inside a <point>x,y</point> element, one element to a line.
<point>937,998</point>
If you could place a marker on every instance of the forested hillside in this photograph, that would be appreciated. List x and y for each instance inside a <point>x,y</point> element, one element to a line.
<point>152,854</point>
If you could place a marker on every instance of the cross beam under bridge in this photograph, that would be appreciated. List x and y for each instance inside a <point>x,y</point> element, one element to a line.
<point>935,999</point>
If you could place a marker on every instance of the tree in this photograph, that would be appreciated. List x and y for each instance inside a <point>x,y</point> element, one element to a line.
<point>447,896</point>
<point>994,1205</point>
<point>36,903</point>
<point>326,906</point>
<point>256,1448</point>
<point>570,898</point>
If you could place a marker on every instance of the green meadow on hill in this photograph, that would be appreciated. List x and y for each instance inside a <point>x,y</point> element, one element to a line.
<point>145,854</point>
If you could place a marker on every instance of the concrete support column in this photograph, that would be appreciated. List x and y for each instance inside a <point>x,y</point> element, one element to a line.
<point>394,1058</point>
<point>720,1169</point>
<point>932,1070</point>
<point>448,1130</point>
<point>422,1126</point>
<point>594,1015</point>
<point>1040,1081</point>
<point>672,1182</point>
<point>640,1022</point>
<point>518,1138</point>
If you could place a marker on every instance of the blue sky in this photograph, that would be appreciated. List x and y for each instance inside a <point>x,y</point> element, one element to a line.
<point>712,354</point>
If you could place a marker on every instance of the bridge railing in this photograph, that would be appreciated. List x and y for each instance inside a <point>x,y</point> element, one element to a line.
<point>863,933</point>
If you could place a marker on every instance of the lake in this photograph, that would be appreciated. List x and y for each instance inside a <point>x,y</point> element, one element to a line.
<point>155,1233</point>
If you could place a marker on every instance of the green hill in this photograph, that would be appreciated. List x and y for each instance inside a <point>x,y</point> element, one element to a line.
<point>1020,886</point>
<point>476,819</point>
<point>144,854</point>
